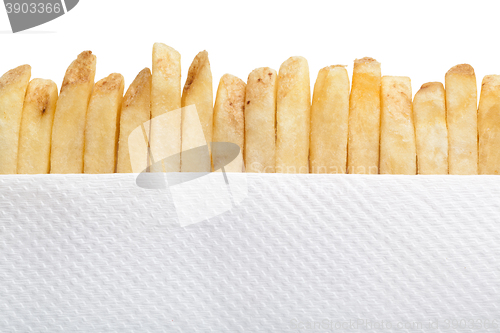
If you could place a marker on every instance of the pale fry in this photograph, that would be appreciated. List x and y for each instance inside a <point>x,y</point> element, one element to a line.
<point>431,133</point>
<point>364,117</point>
<point>36,127</point>
<point>488,123</point>
<point>293,114</point>
<point>229,121</point>
<point>136,110</point>
<point>165,137</point>
<point>398,154</point>
<point>68,130</point>
<point>13,86</point>
<point>461,112</point>
<point>103,124</point>
<point>260,121</point>
<point>329,121</point>
<point>198,92</point>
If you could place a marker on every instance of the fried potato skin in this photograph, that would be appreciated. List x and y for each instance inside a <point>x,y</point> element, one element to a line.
<point>461,115</point>
<point>364,118</point>
<point>197,91</point>
<point>293,116</point>
<point>36,127</point>
<point>489,126</point>
<point>260,121</point>
<point>229,120</point>
<point>398,154</point>
<point>103,125</point>
<point>136,110</point>
<point>13,85</point>
<point>431,132</point>
<point>68,130</point>
<point>165,137</point>
<point>329,121</point>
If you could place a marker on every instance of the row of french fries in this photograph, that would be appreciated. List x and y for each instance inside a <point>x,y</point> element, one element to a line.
<point>370,127</point>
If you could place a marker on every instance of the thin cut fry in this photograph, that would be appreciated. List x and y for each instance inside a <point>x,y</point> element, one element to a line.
<point>489,126</point>
<point>136,110</point>
<point>329,121</point>
<point>229,120</point>
<point>68,130</point>
<point>398,153</point>
<point>165,137</point>
<point>36,127</point>
<point>431,133</point>
<point>461,111</point>
<point>364,118</point>
<point>13,86</point>
<point>293,114</point>
<point>103,124</point>
<point>198,92</point>
<point>260,121</point>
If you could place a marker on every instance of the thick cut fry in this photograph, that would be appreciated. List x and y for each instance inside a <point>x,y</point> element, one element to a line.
<point>229,121</point>
<point>364,118</point>
<point>103,124</point>
<point>136,110</point>
<point>431,134</point>
<point>260,121</point>
<point>68,131</point>
<point>329,121</point>
<point>198,92</point>
<point>398,154</point>
<point>461,115</point>
<point>36,127</point>
<point>489,126</point>
<point>13,86</point>
<point>293,114</point>
<point>165,137</point>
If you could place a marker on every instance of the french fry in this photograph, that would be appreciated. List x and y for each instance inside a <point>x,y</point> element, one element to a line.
<point>68,130</point>
<point>329,121</point>
<point>136,110</point>
<point>229,121</point>
<point>198,92</point>
<point>398,154</point>
<point>489,126</point>
<point>293,114</point>
<point>165,137</point>
<point>36,127</point>
<point>103,124</point>
<point>431,133</point>
<point>461,112</point>
<point>364,118</point>
<point>260,121</point>
<point>13,86</point>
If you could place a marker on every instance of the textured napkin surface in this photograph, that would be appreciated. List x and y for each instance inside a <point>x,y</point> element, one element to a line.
<point>301,253</point>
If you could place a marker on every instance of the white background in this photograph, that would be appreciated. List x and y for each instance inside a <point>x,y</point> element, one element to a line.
<point>420,39</point>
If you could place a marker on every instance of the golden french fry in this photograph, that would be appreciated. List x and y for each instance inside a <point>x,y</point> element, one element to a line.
<point>103,124</point>
<point>13,86</point>
<point>293,114</point>
<point>488,123</point>
<point>431,133</point>
<point>364,118</point>
<point>198,92</point>
<point>461,114</point>
<point>136,110</point>
<point>165,137</point>
<point>398,153</point>
<point>329,121</point>
<point>36,127</point>
<point>229,120</point>
<point>68,130</point>
<point>260,121</point>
